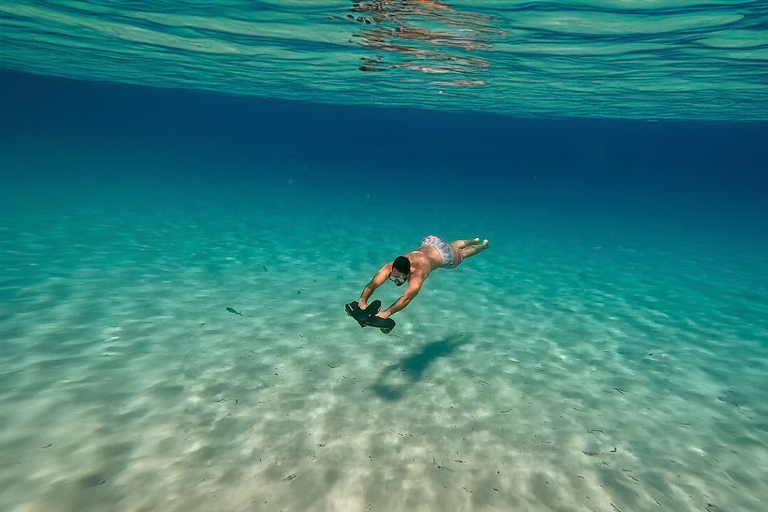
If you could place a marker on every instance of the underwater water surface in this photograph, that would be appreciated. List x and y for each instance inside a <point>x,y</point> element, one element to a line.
<point>604,58</point>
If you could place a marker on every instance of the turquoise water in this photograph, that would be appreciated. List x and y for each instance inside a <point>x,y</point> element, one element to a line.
<point>604,58</point>
<point>609,351</point>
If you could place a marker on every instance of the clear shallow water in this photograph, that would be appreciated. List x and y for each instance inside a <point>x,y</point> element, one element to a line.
<point>609,351</point>
<point>578,363</point>
<point>610,58</point>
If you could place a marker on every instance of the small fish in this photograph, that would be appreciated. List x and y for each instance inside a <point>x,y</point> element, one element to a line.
<point>234,312</point>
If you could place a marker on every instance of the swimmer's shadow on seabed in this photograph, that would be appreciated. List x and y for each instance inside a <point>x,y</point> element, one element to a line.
<point>395,379</point>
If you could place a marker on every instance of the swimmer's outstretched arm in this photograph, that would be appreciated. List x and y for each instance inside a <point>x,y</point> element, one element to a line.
<point>402,302</point>
<point>379,279</point>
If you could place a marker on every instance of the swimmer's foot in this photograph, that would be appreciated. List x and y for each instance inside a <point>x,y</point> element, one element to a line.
<point>474,247</point>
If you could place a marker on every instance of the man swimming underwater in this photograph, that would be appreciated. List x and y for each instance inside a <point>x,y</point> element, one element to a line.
<point>416,266</point>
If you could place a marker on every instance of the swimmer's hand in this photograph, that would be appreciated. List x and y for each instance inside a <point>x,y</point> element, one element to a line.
<point>384,314</point>
<point>362,304</point>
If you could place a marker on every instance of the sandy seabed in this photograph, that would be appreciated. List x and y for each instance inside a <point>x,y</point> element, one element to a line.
<point>514,383</point>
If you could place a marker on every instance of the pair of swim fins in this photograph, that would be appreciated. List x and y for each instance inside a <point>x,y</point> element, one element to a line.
<point>367,317</point>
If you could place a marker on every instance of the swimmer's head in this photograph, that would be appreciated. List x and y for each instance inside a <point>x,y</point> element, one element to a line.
<point>401,269</point>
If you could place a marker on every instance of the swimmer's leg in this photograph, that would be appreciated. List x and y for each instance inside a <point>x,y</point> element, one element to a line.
<point>475,248</point>
<point>460,244</point>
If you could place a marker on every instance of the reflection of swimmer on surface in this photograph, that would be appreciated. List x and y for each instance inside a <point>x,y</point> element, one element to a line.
<point>400,10</point>
<point>395,6</point>
<point>393,30</point>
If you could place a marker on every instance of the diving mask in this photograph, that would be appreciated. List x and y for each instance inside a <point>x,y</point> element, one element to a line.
<point>398,280</point>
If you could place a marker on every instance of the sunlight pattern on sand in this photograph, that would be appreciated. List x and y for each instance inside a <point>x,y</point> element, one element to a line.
<point>515,383</point>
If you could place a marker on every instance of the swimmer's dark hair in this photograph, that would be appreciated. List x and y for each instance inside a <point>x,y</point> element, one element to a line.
<point>401,264</point>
